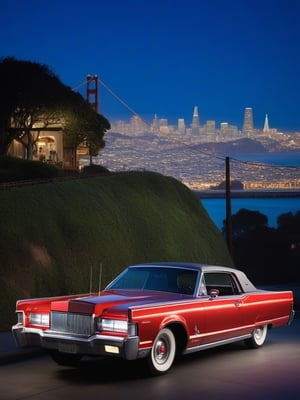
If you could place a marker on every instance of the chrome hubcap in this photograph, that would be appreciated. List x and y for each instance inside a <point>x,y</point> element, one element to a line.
<point>161,351</point>
<point>258,333</point>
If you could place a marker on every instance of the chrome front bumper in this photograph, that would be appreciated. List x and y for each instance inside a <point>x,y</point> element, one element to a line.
<point>96,345</point>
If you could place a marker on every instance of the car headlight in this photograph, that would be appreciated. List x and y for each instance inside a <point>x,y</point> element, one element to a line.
<point>115,325</point>
<point>39,319</point>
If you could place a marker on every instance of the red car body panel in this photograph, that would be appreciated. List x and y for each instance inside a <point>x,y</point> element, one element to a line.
<point>216,319</point>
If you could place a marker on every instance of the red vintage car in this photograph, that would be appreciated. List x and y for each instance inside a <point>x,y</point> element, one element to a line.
<point>154,311</point>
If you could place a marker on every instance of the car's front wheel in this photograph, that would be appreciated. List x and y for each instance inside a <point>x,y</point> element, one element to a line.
<point>162,353</point>
<point>258,337</point>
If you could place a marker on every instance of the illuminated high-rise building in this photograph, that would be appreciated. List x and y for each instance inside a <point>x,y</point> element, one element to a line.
<point>195,122</point>
<point>181,125</point>
<point>224,127</point>
<point>266,124</point>
<point>210,126</point>
<point>163,125</point>
<point>248,120</point>
<point>155,123</point>
<point>163,122</point>
<point>136,124</point>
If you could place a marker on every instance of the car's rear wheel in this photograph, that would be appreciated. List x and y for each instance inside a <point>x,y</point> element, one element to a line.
<point>65,359</point>
<point>258,337</point>
<point>162,353</point>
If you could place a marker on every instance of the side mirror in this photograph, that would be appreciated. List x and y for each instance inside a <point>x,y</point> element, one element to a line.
<point>214,293</point>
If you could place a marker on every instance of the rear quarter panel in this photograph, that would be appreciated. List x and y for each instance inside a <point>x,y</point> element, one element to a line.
<point>267,307</point>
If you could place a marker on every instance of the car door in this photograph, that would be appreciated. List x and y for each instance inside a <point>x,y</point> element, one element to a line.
<point>222,314</point>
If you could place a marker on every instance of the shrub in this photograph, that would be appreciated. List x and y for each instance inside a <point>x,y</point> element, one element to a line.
<point>94,170</point>
<point>17,169</point>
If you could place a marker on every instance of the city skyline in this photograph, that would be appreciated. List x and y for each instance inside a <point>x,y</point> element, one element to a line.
<point>195,125</point>
<point>166,56</point>
<point>199,163</point>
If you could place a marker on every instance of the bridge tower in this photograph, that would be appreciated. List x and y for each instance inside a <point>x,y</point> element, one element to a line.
<point>92,91</point>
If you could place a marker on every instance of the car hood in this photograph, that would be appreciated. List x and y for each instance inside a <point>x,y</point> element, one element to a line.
<point>114,300</point>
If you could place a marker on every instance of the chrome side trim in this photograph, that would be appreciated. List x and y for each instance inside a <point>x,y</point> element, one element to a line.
<point>217,343</point>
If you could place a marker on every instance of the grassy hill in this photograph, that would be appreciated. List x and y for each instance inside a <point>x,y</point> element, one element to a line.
<point>54,234</point>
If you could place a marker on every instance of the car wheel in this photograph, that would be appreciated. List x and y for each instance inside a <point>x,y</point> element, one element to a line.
<point>258,337</point>
<point>162,353</point>
<point>65,359</point>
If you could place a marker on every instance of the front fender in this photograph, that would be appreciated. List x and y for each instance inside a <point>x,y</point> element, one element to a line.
<point>173,319</point>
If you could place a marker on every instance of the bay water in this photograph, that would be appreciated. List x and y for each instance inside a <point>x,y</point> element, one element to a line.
<point>271,207</point>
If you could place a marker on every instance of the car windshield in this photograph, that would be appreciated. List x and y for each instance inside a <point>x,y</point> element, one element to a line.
<point>176,280</point>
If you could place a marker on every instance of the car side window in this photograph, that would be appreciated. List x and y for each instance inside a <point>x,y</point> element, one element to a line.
<point>202,287</point>
<point>224,282</point>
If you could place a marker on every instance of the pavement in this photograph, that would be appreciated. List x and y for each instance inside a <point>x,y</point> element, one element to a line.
<point>9,352</point>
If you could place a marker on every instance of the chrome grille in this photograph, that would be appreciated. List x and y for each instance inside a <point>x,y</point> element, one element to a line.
<point>66,322</point>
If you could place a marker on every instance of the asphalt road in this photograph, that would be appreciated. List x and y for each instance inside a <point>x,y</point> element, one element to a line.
<point>228,372</point>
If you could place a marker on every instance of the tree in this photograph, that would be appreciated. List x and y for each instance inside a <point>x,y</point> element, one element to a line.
<point>32,98</point>
<point>289,223</point>
<point>267,255</point>
<point>289,231</point>
<point>83,125</point>
<point>245,221</point>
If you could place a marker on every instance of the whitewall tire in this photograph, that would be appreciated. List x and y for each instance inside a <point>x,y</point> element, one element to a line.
<point>258,337</point>
<point>162,353</point>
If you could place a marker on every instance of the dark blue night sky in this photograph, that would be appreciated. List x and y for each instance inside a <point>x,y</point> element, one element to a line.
<point>166,56</point>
